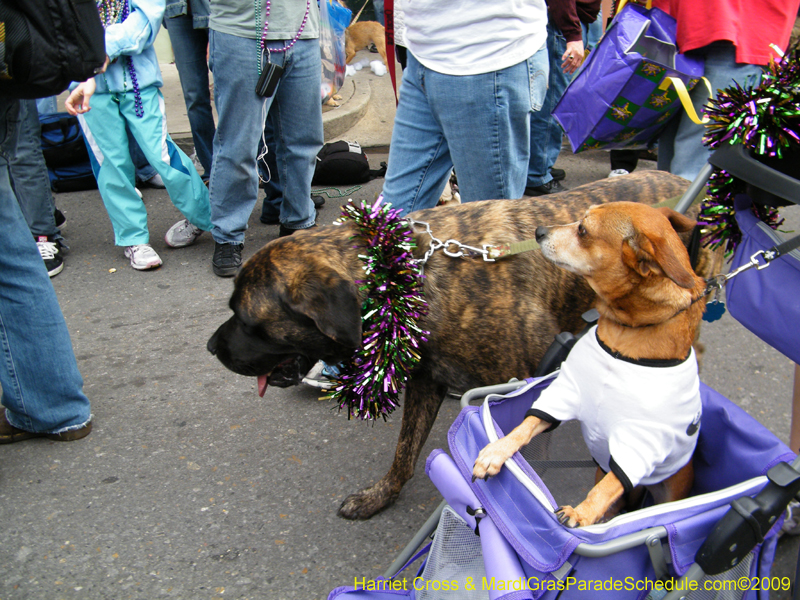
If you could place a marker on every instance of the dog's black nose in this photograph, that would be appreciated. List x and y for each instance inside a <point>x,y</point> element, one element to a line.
<point>541,233</point>
<point>212,344</point>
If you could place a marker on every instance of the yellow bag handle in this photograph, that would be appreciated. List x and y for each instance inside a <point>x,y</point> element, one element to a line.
<point>683,95</point>
<point>622,3</point>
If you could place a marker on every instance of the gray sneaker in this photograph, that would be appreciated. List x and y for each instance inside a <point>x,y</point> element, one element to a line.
<point>182,234</point>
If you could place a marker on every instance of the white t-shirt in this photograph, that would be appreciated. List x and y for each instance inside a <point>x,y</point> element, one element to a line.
<point>469,37</point>
<point>639,421</point>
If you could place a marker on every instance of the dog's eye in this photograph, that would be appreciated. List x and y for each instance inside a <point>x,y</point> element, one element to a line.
<point>581,230</point>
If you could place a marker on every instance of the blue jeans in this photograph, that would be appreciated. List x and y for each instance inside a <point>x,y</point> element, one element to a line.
<point>42,387</point>
<point>680,146</point>
<point>29,177</point>
<point>477,123</point>
<point>378,6</point>
<point>296,112</point>
<point>545,131</point>
<point>592,32</point>
<point>189,46</point>
<point>269,177</point>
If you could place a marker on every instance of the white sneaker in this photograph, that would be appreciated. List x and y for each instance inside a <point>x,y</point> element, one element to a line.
<point>143,257</point>
<point>182,234</point>
<point>139,193</point>
<point>155,181</point>
<point>618,172</point>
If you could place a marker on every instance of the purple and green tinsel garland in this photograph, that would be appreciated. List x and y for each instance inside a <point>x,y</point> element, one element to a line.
<point>766,120</point>
<point>370,382</point>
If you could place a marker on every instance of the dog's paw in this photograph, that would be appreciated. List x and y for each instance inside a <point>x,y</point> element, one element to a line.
<point>567,516</point>
<point>364,504</point>
<point>332,102</point>
<point>489,462</point>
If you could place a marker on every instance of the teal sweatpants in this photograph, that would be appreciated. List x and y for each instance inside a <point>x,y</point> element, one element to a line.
<point>104,129</point>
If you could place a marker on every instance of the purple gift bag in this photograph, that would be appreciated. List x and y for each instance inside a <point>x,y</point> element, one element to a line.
<point>616,100</point>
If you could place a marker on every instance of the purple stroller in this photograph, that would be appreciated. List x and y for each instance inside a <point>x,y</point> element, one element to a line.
<point>500,539</point>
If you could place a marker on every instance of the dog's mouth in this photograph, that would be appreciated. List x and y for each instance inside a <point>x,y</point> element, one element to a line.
<point>285,374</point>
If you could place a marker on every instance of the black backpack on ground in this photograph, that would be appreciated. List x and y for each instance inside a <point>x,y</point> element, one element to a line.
<point>65,153</point>
<point>343,163</point>
<point>47,44</point>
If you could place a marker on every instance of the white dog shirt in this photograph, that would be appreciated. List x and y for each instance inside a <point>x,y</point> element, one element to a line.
<point>638,418</point>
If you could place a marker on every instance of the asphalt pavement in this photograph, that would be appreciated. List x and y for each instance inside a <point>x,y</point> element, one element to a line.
<point>190,485</point>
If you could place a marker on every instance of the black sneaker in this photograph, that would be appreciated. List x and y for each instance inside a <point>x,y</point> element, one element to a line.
<point>557,174</point>
<point>59,217</point>
<point>319,201</point>
<point>50,251</point>
<point>284,231</point>
<point>227,259</point>
<point>551,187</point>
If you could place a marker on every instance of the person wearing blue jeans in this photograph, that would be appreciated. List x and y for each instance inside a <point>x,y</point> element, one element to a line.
<point>42,387</point>
<point>291,41</point>
<point>472,79</point>
<point>565,52</point>
<point>187,24</point>
<point>31,186</point>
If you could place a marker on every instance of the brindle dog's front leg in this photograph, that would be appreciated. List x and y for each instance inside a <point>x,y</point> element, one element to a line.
<point>422,403</point>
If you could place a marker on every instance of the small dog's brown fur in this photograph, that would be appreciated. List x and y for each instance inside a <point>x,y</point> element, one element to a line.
<point>296,301</point>
<point>650,303</point>
<point>360,35</point>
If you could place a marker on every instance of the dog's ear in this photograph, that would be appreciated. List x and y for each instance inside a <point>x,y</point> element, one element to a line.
<point>331,302</point>
<point>650,251</point>
<point>680,222</point>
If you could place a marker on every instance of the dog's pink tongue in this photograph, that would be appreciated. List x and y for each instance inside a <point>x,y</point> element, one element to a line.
<point>262,385</point>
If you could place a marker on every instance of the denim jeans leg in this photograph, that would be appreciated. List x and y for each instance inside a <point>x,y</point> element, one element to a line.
<point>546,133</point>
<point>269,178</point>
<point>296,115</point>
<point>419,157</point>
<point>42,387</point>
<point>234,181</point>
<point>189,46</point>
<point>29,177</point>
<point>680,147</point>
<point>486,121</point>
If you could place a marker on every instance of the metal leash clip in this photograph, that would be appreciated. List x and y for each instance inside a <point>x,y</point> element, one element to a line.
<point>460,250</point>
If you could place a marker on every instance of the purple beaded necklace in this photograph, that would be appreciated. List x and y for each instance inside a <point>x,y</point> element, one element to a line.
<point>262,43</point>
<point>113,11</point>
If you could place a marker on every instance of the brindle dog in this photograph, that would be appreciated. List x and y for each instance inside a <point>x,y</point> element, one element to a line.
<point>295,301</point>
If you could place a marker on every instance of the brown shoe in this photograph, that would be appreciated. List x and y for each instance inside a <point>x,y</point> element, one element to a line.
<point>10,434</point>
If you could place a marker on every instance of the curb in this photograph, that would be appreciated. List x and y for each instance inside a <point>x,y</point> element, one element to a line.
<point>353,106</point>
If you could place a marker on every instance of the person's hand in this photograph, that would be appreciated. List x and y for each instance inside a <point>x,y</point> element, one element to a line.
<point>573,57</point>
<point>78,100</point>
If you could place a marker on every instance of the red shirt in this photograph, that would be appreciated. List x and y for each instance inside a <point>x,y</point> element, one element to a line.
<point>752,25</point>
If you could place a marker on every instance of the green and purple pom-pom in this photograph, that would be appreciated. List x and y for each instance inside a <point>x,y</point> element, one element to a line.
<point>371,381</point>
<point>766,120</point>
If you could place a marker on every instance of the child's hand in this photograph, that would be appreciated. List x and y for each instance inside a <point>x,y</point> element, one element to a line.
<point>78,100</point>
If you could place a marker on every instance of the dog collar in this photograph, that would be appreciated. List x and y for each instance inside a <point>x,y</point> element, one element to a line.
<point>644,362</point>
